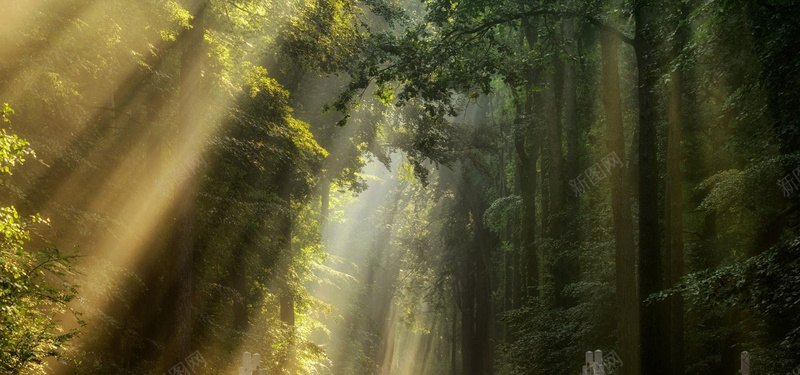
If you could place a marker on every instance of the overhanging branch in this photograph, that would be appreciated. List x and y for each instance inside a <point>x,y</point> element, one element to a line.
<point>540,12</point>
<point>614,31</point>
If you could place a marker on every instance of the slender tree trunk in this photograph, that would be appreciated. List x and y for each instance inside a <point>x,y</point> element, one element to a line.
<point>483,304</point>
<point>483,243</point>
<point>287,294</point>
<point>468,354</point>
<point>527,172</point>
<point>674,219</point>
<point>325,199</point>
<point>570,267</point>
<point>180,341</point>
<point>239,283</point>
<point>527,148</point>
<point>454,339</point>
<point>627,299</point>
<point>544,179</point>
<point>517,278</point>
<point>571,105</point>
<point>527,152</point>
<point>556,158</point>
<point>508,281</point>
<point>654,316</point>
<point>508,256</point>
<point>508,270</point>
<point>564,268</point>
<point>674,195</point>
<point>287,307</point>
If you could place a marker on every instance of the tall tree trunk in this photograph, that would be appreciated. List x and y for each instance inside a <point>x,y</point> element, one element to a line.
<point>674,197</point>
<point>509,243</point>
<point>483,304</point>
<point>484,241</point>
<point>527,173</point>
<point>180,340</point>
<point>454,338</point>
<point>527,148</point>
<point>544,179</point>
<point>564,268</point>
<point>325,199</point>
<point>287,314</point>
<point>238,281</point>
<point>556,158</point>
<point>571,105</point>
<point>286,293</point>
<point>506,234</point>
<point>571,267</point>
<point>654,316</point>
<point>674,220</point>
<point>627,299</point>
<point>468,354</point>
<point>517,278</point>
<point>508,280</point>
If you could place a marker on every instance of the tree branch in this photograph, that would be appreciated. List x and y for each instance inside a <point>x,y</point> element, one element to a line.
<point>539,12</point>
<point>614,31</point>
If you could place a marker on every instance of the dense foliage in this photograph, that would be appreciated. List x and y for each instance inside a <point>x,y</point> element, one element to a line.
<point>35,285</point>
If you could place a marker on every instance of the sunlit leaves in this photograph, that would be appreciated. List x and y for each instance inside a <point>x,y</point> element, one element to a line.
<point>7,111</point>
<point>325,35</point>
<point>13,150</point>
<point>384,93</point>
<point>32,291</point>
<point>33,288</point>
<point>240,35</point>
<point>180,17</point>
<point>258,79</point>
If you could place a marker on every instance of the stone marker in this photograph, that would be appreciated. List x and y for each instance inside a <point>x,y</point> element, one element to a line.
<point>251,365</point>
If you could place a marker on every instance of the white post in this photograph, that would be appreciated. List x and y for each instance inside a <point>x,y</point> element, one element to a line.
<point>589,363</point>
<point>745,363</point>
<point>257,365</point>
<point>598,363</point>
<point>251,364</point>
<point>245,369</point>
<point>594,363</point>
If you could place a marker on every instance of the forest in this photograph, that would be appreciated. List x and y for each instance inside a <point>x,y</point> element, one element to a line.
<point>400,187</point>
